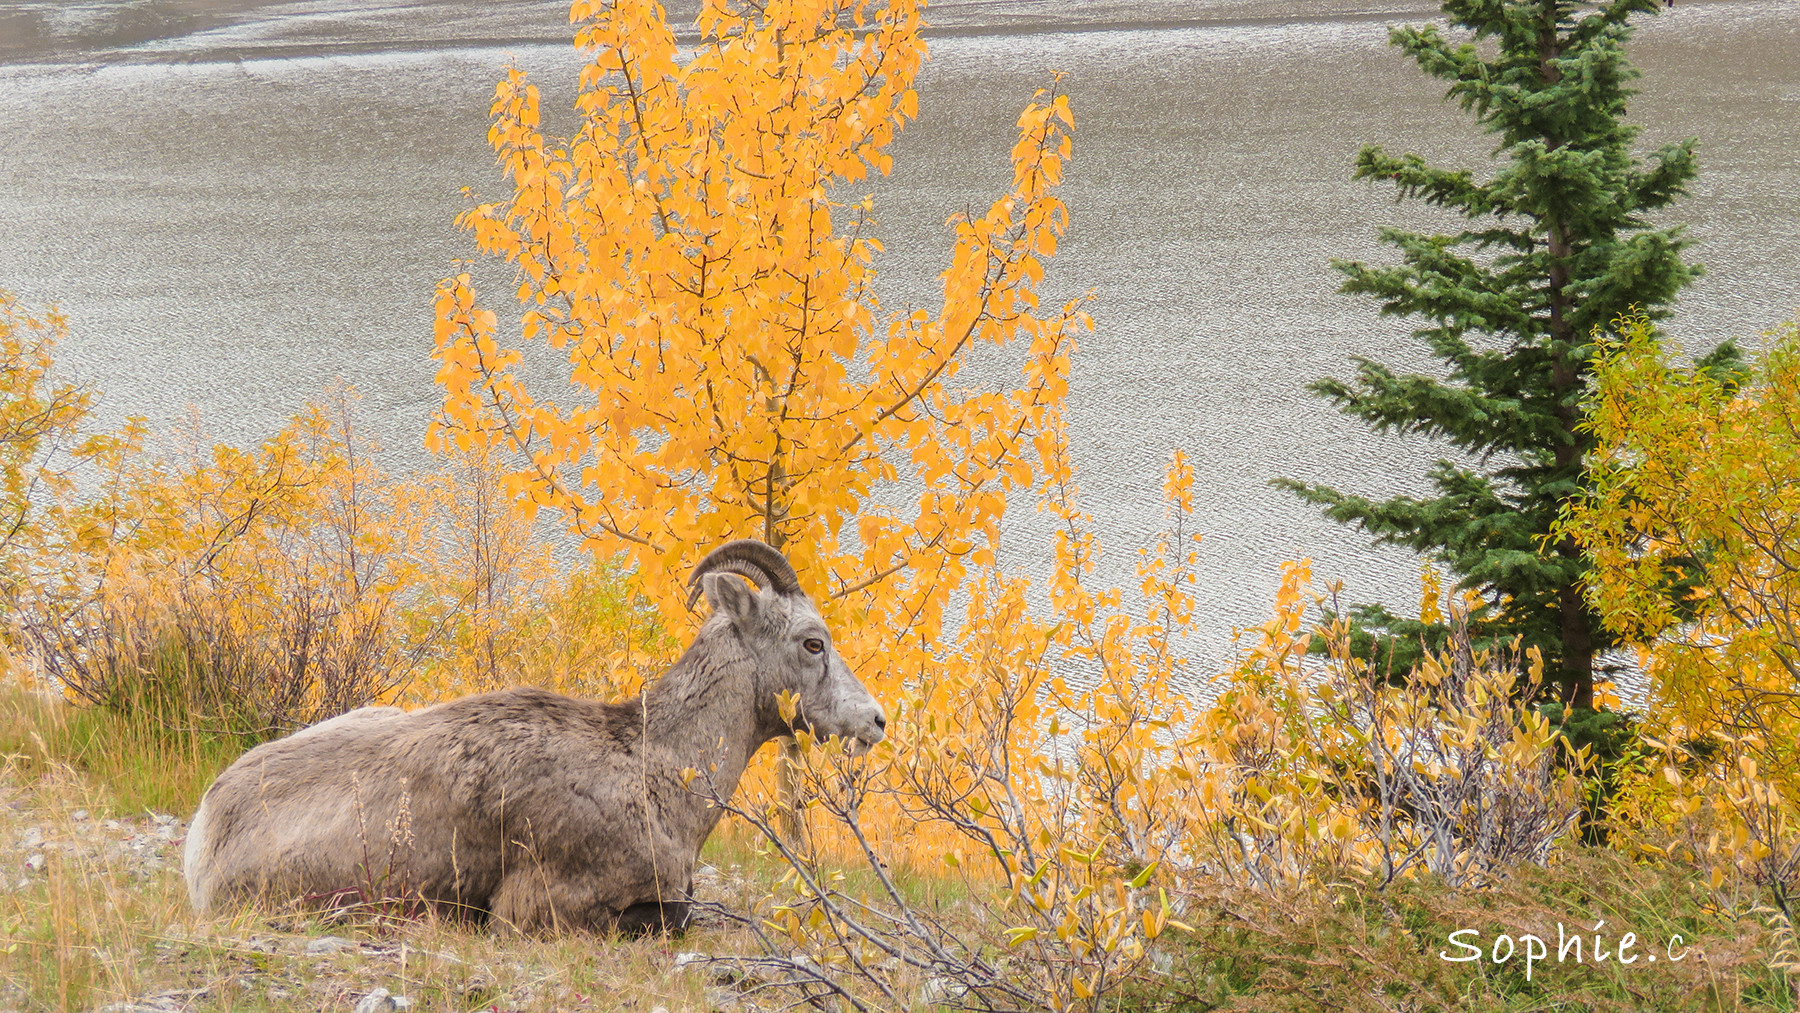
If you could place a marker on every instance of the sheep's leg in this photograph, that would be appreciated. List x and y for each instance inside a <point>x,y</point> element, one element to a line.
<point>527,902</point>
<point>669,916</point>
<point>665,916</point>
<point>521,904</point>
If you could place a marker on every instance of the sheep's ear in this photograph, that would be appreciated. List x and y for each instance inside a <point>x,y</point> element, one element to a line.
<point>732,595</point>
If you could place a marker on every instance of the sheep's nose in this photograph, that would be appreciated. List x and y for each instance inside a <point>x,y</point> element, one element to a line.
<point>881,721</point>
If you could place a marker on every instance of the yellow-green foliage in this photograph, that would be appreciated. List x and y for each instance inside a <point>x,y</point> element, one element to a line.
<point>141,763</point>
<point>35,414</point>
<point>1698,475</point>
<point>1692,528</point>
<point>498,608</point>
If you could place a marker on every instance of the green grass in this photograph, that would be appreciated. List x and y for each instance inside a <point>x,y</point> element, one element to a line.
<point>142,764</point>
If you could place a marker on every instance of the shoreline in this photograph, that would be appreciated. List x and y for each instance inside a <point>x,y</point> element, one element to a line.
<point>186,44</point>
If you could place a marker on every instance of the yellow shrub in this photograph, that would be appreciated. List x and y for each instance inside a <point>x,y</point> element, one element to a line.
<point>1690,524</point>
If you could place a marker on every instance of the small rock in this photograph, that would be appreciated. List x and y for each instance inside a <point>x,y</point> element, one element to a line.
<point>659,1009</point>
<point>378,1001</point>
<point>79,815</point>
<point>182,999</point>
<point>402,1002</point>
<point>723,999</point>
<point>35,861</point>
<point>112,825</point>
<point>333,944</point>
<point>724,972</point>
<point>34,838</point>
<point>163,818</point>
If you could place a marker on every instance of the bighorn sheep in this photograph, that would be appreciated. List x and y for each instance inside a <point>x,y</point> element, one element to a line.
<point>532,809</point>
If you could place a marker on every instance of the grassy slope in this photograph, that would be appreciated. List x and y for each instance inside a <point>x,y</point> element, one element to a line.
<point>106,919</point>
<point>1357,948</point>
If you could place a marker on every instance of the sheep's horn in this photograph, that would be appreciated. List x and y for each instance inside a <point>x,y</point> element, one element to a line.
<point>750,558</point>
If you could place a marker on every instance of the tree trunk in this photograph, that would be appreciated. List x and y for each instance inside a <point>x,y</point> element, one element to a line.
<point>1578,649</point>
<point>1577,675</point>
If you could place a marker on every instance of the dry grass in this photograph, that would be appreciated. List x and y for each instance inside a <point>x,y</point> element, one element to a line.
<point>1348,946</point>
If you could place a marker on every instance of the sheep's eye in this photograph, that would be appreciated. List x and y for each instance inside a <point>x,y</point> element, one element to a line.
<point>815,646</point>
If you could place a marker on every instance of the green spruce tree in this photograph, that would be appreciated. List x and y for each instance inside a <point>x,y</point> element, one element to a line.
<point>1557,248</point>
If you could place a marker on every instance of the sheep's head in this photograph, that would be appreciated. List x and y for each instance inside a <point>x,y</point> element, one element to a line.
<point>781,626</point>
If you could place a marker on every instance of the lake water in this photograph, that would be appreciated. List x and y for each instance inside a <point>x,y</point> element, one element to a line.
<point>238,203</point>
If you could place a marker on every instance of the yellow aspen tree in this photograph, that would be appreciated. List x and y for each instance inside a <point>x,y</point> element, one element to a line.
<point>692,265</point>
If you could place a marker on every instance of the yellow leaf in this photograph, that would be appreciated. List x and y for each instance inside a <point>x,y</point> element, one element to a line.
<point>1022,934</point>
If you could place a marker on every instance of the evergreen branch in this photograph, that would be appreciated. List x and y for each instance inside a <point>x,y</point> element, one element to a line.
<point>1439,187</point>
<point>1675,166</point>
<point>1417,404</point>
<point>1440,285</point>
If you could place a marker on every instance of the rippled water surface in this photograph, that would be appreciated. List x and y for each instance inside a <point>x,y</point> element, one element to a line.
<point>237,203</point>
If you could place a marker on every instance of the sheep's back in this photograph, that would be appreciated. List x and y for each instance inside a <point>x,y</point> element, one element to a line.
<point>438,803</point>
<point>309,815</point>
